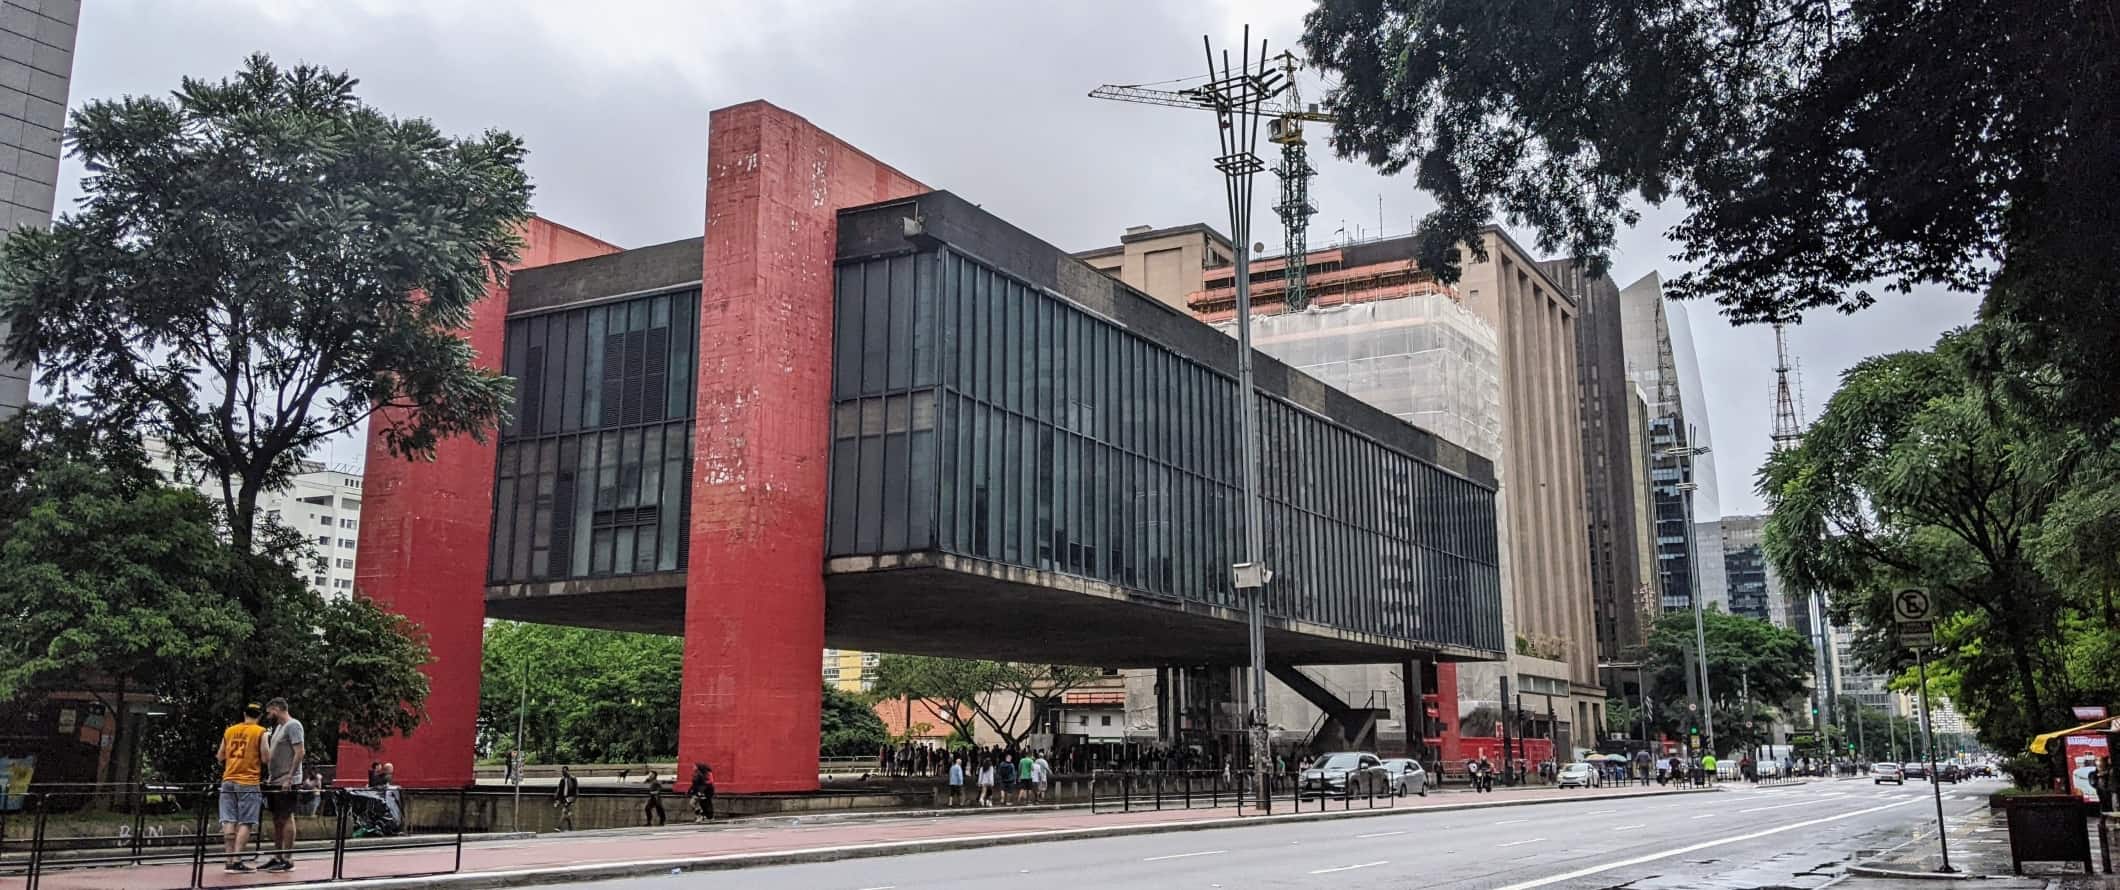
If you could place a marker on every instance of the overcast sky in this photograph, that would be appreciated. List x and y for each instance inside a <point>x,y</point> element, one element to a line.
<point>984,99</point>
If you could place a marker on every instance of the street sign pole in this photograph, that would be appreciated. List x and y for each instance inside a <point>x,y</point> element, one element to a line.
<point>1913,613</point>
<point>1921,664</point>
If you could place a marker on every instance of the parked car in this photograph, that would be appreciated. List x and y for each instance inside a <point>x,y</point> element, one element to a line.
<point>1346,772</point>
<point>1915,769</point>
<point>1576,775</point>
<point>1407,776</point>
<point>1888,772</point>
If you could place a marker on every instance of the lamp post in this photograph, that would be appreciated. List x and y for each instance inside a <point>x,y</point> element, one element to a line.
<point>1700,637</point>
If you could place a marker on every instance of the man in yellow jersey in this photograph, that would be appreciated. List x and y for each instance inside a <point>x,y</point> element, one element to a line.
<point>241,755</point>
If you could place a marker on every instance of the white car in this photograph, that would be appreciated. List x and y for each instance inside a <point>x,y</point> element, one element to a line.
<point>1407,776</point>
<point>1888,772</point>
<point>1575,775</point>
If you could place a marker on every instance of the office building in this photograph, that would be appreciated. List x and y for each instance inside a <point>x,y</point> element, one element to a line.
<point>1753,587</point>
<point>1612,492</point>
<point>36,64</point>
<point>1660,360</point>
<point>321,502</point>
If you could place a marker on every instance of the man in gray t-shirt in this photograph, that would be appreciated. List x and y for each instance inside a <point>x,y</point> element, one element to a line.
<point>285,745</point>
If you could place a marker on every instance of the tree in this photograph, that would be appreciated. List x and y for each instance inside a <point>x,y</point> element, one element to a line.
<point>263,263</point>
<point>596,696</point>
<point>1007,696</point>
<point>112,580</point>
<point>1755,669</point>
<point>849,727</point>
<point>1820,149</point>
<point>1925,471</point>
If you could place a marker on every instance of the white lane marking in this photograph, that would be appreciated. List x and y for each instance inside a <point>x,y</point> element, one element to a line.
<point>1327,871</point>
<point>1679,851</point>
<point>1599,812</point>
<point>1511,821</point>
<point>1379,834</point>
<point>1521,843</point>
<point>1628,827</point>
<point>1705,816</point>
<point>1779,806</point>
<point>1184,855</point>
<point>882,887</point>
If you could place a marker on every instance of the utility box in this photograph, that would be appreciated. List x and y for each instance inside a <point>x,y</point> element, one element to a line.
<point>2047,828</point>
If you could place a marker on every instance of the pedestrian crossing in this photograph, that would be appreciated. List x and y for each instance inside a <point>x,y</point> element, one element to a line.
<point>1852,789</point>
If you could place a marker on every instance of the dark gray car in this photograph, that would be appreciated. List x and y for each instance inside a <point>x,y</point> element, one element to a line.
<point>1346,773</point>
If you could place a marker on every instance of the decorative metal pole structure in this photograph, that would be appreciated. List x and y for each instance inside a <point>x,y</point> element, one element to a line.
<point>1236,95</point>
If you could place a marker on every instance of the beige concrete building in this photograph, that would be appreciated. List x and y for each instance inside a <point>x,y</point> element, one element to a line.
<point>1547,569</point>
<point>1167,264</point>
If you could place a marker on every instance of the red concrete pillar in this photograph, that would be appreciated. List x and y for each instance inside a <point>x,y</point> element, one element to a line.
<point>425,530</point>
<point>1446,709</point>
<point>754,590</point>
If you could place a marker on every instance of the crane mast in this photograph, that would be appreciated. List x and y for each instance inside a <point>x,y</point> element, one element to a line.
<point>1295,172</point>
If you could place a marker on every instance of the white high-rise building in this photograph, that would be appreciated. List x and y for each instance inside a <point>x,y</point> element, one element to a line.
<point>322,503</point>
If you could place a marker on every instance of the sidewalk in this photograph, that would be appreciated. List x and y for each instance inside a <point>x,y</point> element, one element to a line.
<point>1980,851</point>
<point>619,853</point>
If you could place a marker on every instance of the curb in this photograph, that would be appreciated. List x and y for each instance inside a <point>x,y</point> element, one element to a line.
<point>1873,871</point>
<point>606,871</point>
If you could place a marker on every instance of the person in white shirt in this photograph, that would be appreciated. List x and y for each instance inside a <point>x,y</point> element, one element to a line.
<point>986,783</point>
<point>1041,773</point>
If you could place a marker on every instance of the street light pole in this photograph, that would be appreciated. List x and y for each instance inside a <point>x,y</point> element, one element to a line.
<point>1700,634</point>
<point>1236,95</point>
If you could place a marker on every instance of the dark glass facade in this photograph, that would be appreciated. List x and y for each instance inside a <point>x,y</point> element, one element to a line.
<point>978,415</point>
<point>593,465</point>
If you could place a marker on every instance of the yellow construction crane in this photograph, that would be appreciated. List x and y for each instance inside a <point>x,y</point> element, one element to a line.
<point>1285,130</point>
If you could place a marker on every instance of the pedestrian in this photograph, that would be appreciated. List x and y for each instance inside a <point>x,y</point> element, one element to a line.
<point>1005,771</point>
<point>2103,782</point>
<point>375,774</point>
<point>1708,765</point>
<point>702,792</point>
<point>652,813</point>
<point>241,756</point>
<point>1026,772</point>
<point>312,793</point>
<point>564,796</point>
<point>285,746</point>
<point>1041,776</point>
<point>883,758</point>
<point>956,781</point>
<point>986,782</point>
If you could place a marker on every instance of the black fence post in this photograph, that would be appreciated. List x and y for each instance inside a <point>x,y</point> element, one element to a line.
<point>461,801</point>
<point>1159,792</point>
<point>1126,792</point>
<point>210,800</point>
<point>1188,791</point>
<point>338,836</point>
<point>36,848</point>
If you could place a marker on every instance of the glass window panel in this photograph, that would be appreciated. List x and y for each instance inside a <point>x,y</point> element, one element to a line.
<point>552,374</point>
<point>895,469</point>
<point>503,557</point>
<point>569,373</point>
<point>683,337</point>
<point>584,503</point>
<point>899,355</point>
<point>541,522</point>
<point>926,326</point>
<point>593,369</point>
<point>875,325</point>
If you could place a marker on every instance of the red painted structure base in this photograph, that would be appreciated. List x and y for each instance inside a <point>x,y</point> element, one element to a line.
<point>754,592</point>
<point>425,530</point>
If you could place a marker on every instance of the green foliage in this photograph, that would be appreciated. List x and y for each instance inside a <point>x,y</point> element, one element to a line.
<point>848,726</point>
<point>1820,148</point>
<point>262,263</point>
<point>1756,670</point>
<point>1927,471</point>
<point>104,573</point>
<point>109,577</point>
<point>595,696</point>
<point>1005,695</point>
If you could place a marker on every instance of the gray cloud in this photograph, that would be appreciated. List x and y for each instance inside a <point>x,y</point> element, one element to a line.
<point>986,100</point>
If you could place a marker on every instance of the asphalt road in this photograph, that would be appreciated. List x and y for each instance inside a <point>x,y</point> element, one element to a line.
<point>1790,837</point>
